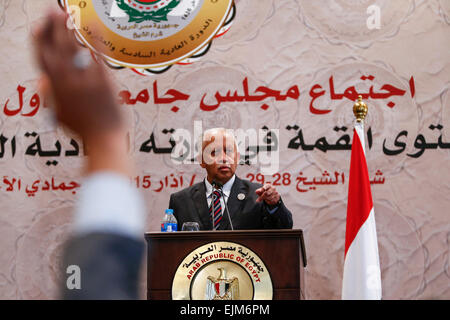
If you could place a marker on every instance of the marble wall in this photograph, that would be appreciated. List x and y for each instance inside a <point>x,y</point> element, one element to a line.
<point>324,48</point>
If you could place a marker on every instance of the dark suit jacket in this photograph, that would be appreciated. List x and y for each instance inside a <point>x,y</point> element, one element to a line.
<point>109,265</point>
<point>190,205</point>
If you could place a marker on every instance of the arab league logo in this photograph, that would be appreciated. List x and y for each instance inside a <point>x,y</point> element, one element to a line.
<point>143,10</point>
<point>149,36</point>
<point>222,270</point>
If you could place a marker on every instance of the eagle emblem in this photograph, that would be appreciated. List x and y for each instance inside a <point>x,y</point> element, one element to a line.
<point>221,288</point>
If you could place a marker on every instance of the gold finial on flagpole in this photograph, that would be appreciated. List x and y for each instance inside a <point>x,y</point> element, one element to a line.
<point>360,109</point>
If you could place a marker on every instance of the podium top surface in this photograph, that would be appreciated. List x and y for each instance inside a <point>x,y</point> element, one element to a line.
<point>216,234</point>
<point>229,235</point>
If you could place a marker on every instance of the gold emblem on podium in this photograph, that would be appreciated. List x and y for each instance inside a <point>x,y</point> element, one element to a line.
<point>221,288</point>
<point>222,271</point>
<point>149,36</point>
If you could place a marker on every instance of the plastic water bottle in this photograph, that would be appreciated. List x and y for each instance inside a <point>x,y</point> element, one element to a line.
<point>169,223</point>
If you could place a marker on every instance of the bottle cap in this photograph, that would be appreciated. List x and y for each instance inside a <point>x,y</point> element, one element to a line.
<point>169,211</point>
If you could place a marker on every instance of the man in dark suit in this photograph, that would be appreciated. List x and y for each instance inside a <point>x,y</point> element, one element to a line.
<point>250,205</point>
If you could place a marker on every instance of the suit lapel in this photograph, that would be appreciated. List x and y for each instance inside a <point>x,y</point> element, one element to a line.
<point>199,197</point>
<point>234,204</point>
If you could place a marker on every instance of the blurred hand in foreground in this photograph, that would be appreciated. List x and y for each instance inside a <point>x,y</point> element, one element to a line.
<point>82,95</point>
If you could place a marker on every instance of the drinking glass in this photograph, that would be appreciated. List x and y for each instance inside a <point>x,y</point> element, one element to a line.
<point>190,226</point>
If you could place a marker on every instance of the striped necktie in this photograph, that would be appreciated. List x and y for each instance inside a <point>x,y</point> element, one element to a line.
<point>215,210</point>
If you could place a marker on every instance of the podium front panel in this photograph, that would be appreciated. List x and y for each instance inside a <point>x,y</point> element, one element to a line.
<point>281,254</point>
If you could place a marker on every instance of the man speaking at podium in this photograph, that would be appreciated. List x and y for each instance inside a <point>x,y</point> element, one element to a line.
<point>223,201</point>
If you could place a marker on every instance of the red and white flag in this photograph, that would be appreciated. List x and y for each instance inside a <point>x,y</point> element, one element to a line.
<point>362,275</point>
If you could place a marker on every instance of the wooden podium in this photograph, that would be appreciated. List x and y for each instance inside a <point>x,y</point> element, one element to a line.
<point>281,251</point>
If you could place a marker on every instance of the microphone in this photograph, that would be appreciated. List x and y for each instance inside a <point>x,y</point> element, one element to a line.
<point>218,186</point>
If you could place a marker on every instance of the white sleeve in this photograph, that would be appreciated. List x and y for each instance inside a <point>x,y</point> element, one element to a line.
<point>108,203</point>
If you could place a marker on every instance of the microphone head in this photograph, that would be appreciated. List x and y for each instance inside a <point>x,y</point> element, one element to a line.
<point>217,185</point>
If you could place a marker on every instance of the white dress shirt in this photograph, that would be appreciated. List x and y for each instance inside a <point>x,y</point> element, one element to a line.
<point>109,203</point>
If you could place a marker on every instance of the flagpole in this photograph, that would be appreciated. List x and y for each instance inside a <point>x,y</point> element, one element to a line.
<point>361,277</point>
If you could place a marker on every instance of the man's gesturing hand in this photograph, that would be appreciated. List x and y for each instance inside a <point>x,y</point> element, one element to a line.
<point>269,194</point>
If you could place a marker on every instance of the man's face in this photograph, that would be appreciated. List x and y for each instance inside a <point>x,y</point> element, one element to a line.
<point>220,157</point>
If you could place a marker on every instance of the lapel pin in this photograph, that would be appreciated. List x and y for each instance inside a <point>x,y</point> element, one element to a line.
<point>241,196</point>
